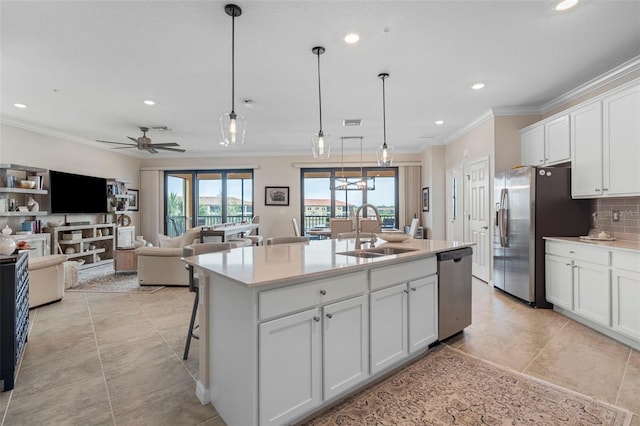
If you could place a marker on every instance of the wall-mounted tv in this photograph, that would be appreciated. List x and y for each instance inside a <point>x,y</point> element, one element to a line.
<point>71,193</point>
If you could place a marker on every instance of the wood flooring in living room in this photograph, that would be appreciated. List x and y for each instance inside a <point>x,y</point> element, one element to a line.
<point>107,358</point>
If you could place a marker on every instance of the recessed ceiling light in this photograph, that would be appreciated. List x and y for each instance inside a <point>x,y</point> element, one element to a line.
<point>439,122</point>
<point>477,86</point>
<point>563,5</point>
<point>351,38</point>
<point>149,102</point>
<point>22,106</point>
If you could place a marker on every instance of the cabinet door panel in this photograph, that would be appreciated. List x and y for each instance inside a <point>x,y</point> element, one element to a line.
<point>289,367</point>
<point>557,140</point>
<point>559,281</point>
<point>592,292</point>
<point>345,344</point>
<point>423,312</point>
<point>532,143</point>
<point>586,151</point>
<point>626,303</point>
<point>621,118</point>
<point>388,326</point>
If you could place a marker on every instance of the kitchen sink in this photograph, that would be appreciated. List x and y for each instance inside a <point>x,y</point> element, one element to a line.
<point>376,252</point>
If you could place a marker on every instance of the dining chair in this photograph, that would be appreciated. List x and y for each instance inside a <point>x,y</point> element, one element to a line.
<point>286,240</point>
<point>339,226</point>
<point>194,285</point>
<point>414,227</point>
<point>296,228</point>
<point>370,225</point>
<point>256,240</point>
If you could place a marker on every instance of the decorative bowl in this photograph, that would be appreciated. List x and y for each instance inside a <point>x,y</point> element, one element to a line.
<point>26,184</point>
<point>393,237</point>
<point>55,223</point>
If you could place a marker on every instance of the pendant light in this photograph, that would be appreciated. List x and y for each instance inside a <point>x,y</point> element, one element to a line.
<point>232,125</point>
<point>320,146</point>
<point>384,152</point>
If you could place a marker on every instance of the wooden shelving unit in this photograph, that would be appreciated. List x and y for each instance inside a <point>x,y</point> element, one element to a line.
<point>91,235</point>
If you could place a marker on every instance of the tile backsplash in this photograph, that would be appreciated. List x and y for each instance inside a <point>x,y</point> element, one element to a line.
<point>626,209</point>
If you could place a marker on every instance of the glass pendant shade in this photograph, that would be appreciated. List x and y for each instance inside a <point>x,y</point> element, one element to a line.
<point>320,147</point>
<point>233,127</point>
<point>384,153</point>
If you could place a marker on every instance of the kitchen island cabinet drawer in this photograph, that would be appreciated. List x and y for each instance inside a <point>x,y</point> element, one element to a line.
<point>284,300</point>
<point>625,260</point>
<point>402,272</point>
<point>578,252</point>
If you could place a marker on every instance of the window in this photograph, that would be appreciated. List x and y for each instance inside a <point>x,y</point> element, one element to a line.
<point>195,198</point>
<point>323,197</point>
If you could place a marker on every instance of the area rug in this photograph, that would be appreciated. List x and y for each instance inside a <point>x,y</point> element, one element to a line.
<point>102,279</point>
<point>448,387</point>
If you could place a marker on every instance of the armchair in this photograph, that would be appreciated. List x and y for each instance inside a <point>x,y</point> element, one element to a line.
<point>46,279</point>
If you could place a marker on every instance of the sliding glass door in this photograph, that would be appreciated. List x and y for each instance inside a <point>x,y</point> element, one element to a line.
<point>206,198</point>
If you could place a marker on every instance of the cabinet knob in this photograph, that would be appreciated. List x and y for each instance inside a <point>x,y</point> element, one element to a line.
<point>605,189</point>
<point>571,251</point>
<point>323,292</point>
<point>485,227</point>
<point>413,289</point>
<point>568,264</point>
<point>329,316</point>
<point>597,189</point>
<point>406,291</point>
<point>316,319</point>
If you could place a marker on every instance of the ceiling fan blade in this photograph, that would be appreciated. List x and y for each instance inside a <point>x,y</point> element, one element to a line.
<point>151,150</point>
<point>170,149</point>
<point>117,143</point>
<point>156,145</point>
<point>133,139</point>
<point>124,147</point>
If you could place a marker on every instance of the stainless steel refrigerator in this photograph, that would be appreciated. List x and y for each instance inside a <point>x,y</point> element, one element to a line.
<point>532,203</point>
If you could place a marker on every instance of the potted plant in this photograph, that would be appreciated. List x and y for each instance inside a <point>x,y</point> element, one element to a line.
<point>113,204</point>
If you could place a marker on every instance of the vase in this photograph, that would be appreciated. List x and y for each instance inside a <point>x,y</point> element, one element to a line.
<point>7,245</point>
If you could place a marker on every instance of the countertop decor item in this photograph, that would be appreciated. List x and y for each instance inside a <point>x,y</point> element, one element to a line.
<point>7,244</point>
<point>320,147</point>
<point>393,237</point>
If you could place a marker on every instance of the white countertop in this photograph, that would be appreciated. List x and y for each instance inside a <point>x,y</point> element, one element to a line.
<point>262,265</point>
<point>625,245</point>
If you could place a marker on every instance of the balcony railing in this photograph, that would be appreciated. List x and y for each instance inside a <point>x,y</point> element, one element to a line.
<point>178,224</point>
<point>320,221</point>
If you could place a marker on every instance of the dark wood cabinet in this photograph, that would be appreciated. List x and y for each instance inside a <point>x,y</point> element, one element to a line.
<point>14,315</point>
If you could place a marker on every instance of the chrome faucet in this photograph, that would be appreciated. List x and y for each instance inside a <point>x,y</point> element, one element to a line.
<point>373,236</point>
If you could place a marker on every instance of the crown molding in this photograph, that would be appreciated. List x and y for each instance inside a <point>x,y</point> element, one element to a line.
<point>516,110</point>
<point>603,79</point>
<point>44,131</point>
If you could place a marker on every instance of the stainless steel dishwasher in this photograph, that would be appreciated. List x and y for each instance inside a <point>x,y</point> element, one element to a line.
<point>454,291</point>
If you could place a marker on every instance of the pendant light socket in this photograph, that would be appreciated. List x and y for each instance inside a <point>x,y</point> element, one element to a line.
<point>320,145</point>
<point>384,153</point>
<point>232,125</point>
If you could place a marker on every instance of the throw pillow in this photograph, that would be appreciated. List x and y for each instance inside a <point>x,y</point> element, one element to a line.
<point>170,242</point>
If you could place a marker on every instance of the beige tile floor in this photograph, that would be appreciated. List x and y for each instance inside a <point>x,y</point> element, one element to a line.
<point>97,358</point>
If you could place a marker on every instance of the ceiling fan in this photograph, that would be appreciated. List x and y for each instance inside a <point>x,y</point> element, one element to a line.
<point>144,143</point>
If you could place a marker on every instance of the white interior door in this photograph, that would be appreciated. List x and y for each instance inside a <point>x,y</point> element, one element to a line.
<point>477,199</point>
<point>454,208</point>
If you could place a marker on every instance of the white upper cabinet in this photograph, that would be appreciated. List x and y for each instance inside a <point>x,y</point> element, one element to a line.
<point>547,143</point>
<point>605,142</point>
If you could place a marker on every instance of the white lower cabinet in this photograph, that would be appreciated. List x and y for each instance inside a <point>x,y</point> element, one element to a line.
<point>404,319</point>
<point>598,284</point>
<point>311,356</point>
<point>559,281</point>
<point>592,292</point>
<point>290,362</point>
<point>423,312</point>
<point>388,326</point>
<point>345,346</point>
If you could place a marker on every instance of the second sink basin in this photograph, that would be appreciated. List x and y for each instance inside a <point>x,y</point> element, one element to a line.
<point>376,252</point>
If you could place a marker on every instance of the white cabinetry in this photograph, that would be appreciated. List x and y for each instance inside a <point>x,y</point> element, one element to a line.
<point>314,355</point>
<point>625,294</point>
<point>598,286</point>
<point>605,141</point>
<point>547,143</point>
<point>403,316</point>
<point>94,243</point>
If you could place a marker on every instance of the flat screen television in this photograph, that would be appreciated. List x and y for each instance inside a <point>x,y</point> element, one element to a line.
<point>71,193</point>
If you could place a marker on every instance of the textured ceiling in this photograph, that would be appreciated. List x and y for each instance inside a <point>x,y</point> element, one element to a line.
<point>84,68</point>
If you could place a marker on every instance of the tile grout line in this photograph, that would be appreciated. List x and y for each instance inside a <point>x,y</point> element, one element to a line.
<point>624,373</point>
<point>545,346</point>
<point>104,376</point>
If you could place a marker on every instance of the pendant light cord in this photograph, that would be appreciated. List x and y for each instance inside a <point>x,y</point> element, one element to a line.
<point>319,92</point>
<point>233,61</point>
<point>384,115</point>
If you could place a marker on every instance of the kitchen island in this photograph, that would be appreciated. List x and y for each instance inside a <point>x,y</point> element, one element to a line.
<point>287,329</point>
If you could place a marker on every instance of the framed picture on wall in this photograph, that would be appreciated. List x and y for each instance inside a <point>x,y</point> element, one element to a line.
<point>276,195</point>
<point>425,199</point>
<point>133,199</point>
